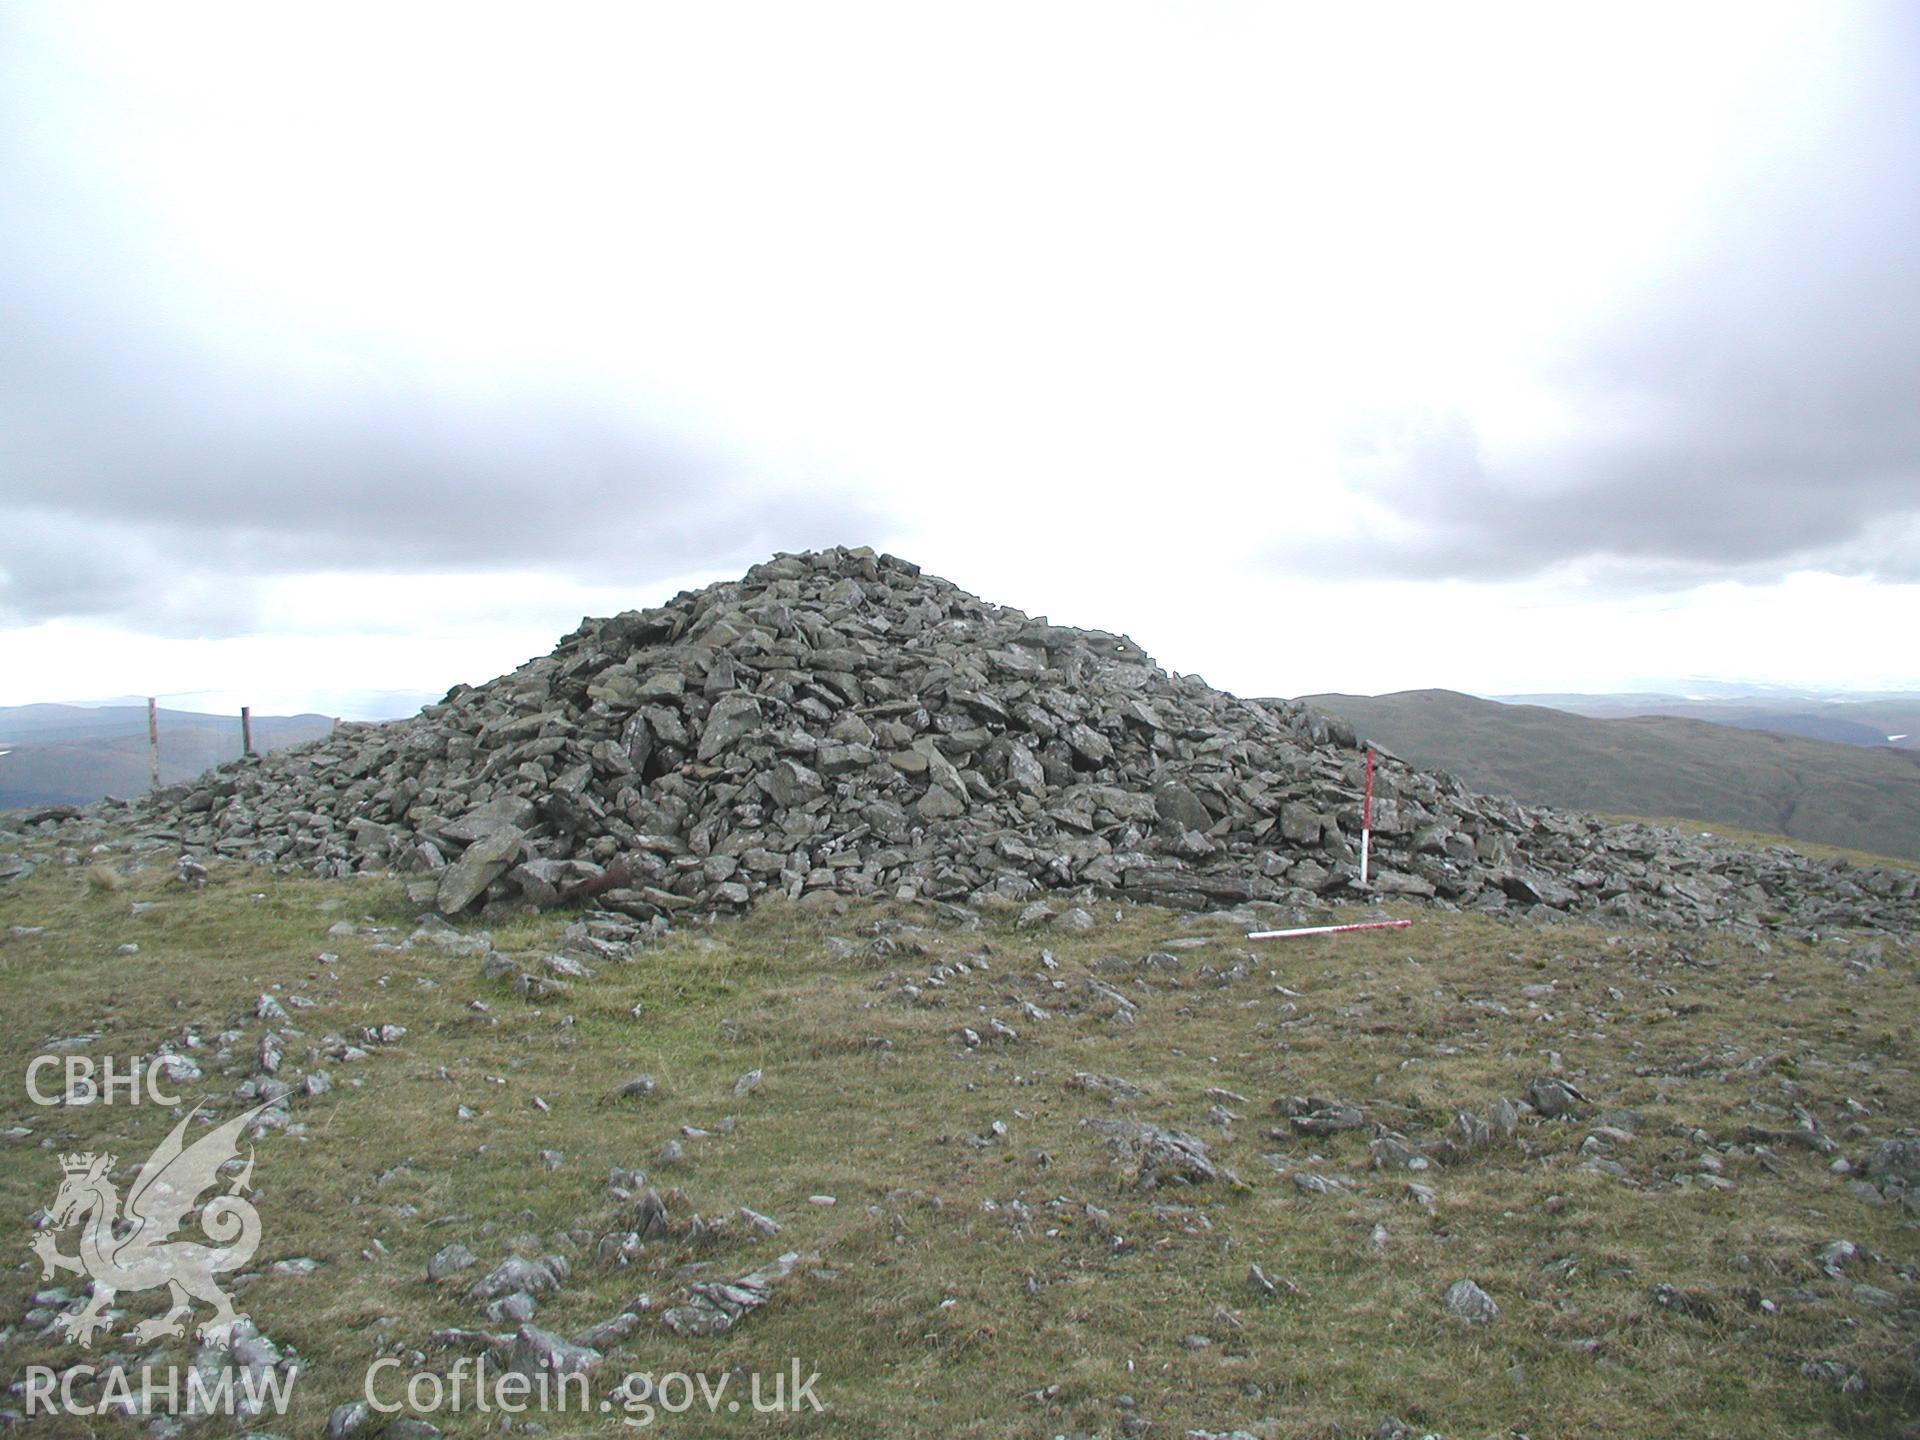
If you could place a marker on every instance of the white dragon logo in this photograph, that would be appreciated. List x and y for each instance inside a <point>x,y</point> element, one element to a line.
<point>132,1254</point>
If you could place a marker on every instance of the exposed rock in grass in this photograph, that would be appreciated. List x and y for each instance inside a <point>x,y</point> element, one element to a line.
<point>537,1352</point>
<point>514,1309</point>
<point>350,1420</point>
<point>608,1333</point>
<point>1312,1182</point>
<point>1159,1155</point>
<point>1317,1115</point>
<point>516,1273</point>
<point>1114,1087</point>
<point>448,1261</point>
<point>1467,1301</point>
<point>1553,1096</point>
<point>716,1306</point>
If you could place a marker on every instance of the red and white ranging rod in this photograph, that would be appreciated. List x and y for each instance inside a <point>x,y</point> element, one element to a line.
<point>1328,929</point>
<point>1366,845</point>
<point>1366,820</point>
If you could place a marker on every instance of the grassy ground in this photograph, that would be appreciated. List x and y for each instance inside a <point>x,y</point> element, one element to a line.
<point>976,1283</point>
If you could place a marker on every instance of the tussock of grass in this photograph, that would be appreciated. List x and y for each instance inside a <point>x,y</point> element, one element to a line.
<point>972,1285</point>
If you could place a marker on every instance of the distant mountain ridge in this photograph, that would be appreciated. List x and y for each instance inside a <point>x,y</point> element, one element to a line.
<point>74,754</point>
<point>1864,797</point>
<point>1883,719</point>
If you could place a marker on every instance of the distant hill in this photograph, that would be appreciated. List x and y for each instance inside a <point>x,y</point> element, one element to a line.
<point>74,755</point>
<point>1892,719</point>
<point>1864,797</point>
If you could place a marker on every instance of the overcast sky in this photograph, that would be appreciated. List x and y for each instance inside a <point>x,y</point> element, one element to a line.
<point>352,349</point>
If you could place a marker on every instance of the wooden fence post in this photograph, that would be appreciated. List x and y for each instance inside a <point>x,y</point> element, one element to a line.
<point>153,741</point>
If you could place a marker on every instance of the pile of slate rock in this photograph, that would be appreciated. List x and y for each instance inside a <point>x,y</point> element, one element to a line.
<point>840,724</point>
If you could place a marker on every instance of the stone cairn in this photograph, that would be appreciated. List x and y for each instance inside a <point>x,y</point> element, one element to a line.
<point>840,724</point>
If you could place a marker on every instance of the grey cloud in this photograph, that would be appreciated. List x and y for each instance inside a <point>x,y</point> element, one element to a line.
<point>1711,495</point>
<point>156,441</point>
<point>1753,406</point>
<point>128,464</point>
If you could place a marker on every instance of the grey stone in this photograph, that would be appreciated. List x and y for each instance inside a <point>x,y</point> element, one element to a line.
<point>1113,1086</point>
<point>1552,1096</point>
<point>1174,802</point>
<point>537,1352</point>
<point>483,862</point>
<point>1314,1115</point>
<point>515,1273</point>
<point>1160,1155</point>
<point>1467,1301</point>
<point>715,1307</point>
<point>450,1260</point>
<point>514,1309</point>
<point>612,1331</point>
<point>505,812</point>
<point>732,719</point>
<point>1299,825</point>
<point>1310,1182</point>
<point>1895,1160</point>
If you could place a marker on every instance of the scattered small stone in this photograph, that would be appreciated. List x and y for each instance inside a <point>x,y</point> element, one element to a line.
<point>1038,913</point>
<point>610,1332</point>
<point>514,1309</point>
<point>1315,1115</point>
<point>1312,1183</point>
<point>450,1260</point>
<point>1553,1096</point>
<point>355,1418</point>
<point>1112,1086</point>
<point>1159,1154</point>
<point>715,1307</point>
<point>1837,1256</point>
<point>1262,1283</point>
<point>515,1273</point>
<point>1467,1301</point>
<point>537,1352</point>
<point>764,1224</point>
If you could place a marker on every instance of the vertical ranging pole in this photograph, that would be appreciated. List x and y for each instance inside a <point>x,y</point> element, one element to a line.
<point>1366,819</point>
<point>153,741</point>
<point>246,730</point>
